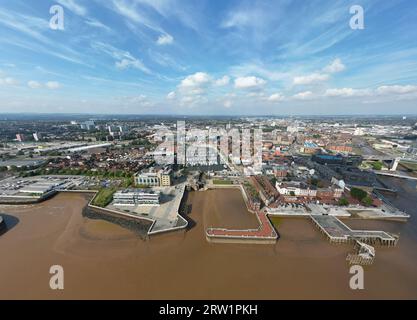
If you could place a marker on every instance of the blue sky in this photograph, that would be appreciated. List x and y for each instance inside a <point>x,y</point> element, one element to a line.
<point>209,57</point>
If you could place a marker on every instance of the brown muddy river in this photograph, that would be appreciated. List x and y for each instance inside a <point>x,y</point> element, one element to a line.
<point>105,261</point>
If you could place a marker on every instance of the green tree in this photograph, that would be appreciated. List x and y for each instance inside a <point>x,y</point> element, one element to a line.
<point>343,202</point>
<point>358,193</point>
<point>367,201</point>
<point>377,165</point>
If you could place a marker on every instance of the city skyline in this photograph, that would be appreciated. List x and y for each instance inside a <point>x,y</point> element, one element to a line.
<point>193,58</point>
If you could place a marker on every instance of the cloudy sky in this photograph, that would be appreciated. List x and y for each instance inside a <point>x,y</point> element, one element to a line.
<point>209,57</point>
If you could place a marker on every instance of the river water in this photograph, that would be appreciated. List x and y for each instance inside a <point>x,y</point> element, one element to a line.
<point>104,261</point>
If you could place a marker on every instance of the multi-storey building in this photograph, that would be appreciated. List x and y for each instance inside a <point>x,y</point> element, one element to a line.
<point>136,197</point>
<point>152,178</point>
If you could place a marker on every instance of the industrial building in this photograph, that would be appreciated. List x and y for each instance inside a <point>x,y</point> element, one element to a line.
<point>339,160</point>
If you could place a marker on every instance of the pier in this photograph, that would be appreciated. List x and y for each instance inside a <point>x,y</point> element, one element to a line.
<point>337,232</point>
<point>364,255</point>
<point>265,234</point>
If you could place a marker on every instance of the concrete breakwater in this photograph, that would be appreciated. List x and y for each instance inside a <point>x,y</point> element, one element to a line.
<point>139,226</point>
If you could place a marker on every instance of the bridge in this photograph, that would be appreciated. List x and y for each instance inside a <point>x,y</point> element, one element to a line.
<point>395,175</point>
<point>387,158</point>
<point>394,160</point>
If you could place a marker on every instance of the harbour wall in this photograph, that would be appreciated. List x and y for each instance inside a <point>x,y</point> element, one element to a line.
<point>27,200</point>
<point>135,224</point>
<point>2,224</point>
<point>240,240</point>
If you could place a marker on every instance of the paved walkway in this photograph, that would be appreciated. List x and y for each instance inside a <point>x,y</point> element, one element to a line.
<point>265,230</point>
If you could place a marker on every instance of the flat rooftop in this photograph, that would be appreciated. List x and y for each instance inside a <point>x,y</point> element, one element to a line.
<point>22,163</point>
<point>16,186</point>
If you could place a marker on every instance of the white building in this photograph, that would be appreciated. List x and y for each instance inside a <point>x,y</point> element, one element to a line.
<point>37,136</point>
<point>136,197</point>
<point>295,189</point>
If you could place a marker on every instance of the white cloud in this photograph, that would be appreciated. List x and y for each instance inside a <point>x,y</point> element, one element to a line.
<point>249,82</point>
<point>124,59</point>
<point>405,91</point>
<point>134,63</point>
<point>9,81</point>
<point>310,79</point>
<point>224,81</point>
<point>191,101</point>
<point>256,17</point>
<point>306,95</point>
<point>396,89</point>
<point>53,85</point>
<point>256,94</point>
<point>227,103</point>
<point>347,92</point>
<point>165,39</point>
<point>97,24</point>
<point>34,84</point>
<point>260,69</point>
<point>166,60</point>
<point>335,66</point>
<point>195,84</point>
<point>131,11</point>
<point>73,6</point>
<point>276,97</point>
<point>172,95</point>
<point>135,101</point>
<point>196,79</point>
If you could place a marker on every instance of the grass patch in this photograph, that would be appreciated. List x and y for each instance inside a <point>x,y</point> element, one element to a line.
<point>222,182</point>
<point>104,197</point>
